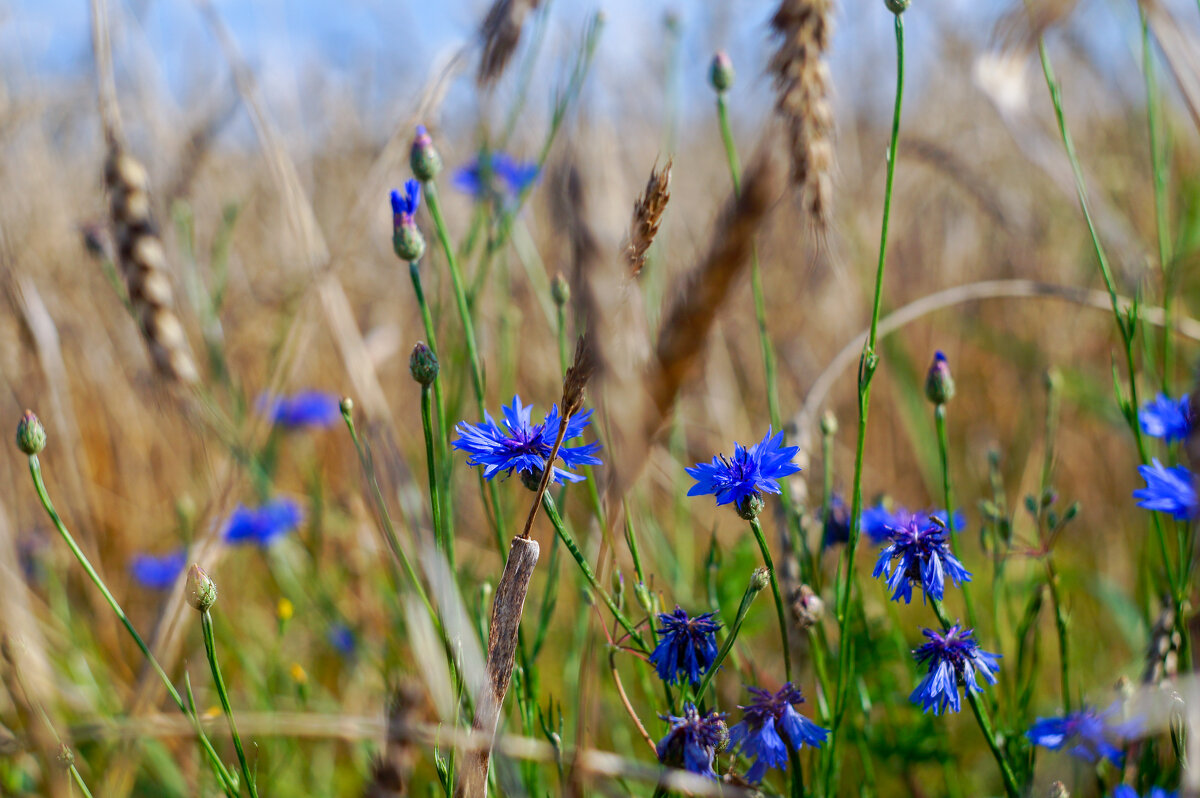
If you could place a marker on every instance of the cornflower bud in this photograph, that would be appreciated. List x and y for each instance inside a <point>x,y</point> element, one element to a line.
<point>407,240</point>
<point>939,385</point>
<point>720,72</point>
<point>423,364</point>
<point>760,579</point>
<point>750,506</point>
<point>560,290</point>
<point>31,435</point>
<point>201,592</point>
<point>424,158</point>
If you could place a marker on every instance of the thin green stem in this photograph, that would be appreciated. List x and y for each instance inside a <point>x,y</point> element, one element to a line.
<point>939,417</point>
<point>35,469</point>
<point>1060,625</point>
<point>210,649</point>
<point>779,611</point>
<point>441,535</point>
<point>868,362</point>
<point>442,425</point>
<point>1125,325</point>
<point>464,313</point>
<point>78,779</point>
<point>752,590</point>
<point>981,717</point>
<point>568,541</point>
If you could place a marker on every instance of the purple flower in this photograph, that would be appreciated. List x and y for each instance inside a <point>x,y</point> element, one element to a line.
<point>748,474</point>
<point>158,573</point>
<point>1166,418</point>
<point>693,740</point>
<point>263,525</point>
<point>1168,490</point>
<point>770,725</point>
<point>523,446</point>
<point>952,658</point>
<point>685,645</point>
<point>918,554</point>
<point>495,174</point>
<point>304,409</point>
<point>404,206</point>
<point>1085,733</point>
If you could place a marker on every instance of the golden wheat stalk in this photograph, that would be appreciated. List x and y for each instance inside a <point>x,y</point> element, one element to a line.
<point>802,84</point>
<point>143,264</point>
<point>647,216</point>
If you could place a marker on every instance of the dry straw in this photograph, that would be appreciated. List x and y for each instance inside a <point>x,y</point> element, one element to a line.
<point>501,33</point>
<point>647,216</point>
<point>802,83</point>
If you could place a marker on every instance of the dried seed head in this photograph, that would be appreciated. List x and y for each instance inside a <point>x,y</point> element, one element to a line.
<point>576,379</point>
<point>31,435</point>
<point>143,264</point>
<point>807,607</point>
<point>647,216</point>
<point>200,591</point>
<point>802,84</point>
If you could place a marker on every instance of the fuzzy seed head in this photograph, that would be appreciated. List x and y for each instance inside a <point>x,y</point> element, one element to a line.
<point>760,579</point>
<point>807,607</point>
<point>31,435</point>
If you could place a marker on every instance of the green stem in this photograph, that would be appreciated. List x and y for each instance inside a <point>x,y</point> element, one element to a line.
<point>1060,625</point>
<point>568,541</point>
<point>440,534</point>
<point>443,439</point>
<point>78,779</point>
<point>752,590</point>
<point>1124,326</point>
<point>866,370</point>
<point>779,611</point>
<point>464,313</point>
<point>210,649</point>
<point>939,417</point>
<point>981,717</point>
<point>35,469</point>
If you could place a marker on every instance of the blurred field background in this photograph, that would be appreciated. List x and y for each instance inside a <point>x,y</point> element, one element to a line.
<point>983,192</point>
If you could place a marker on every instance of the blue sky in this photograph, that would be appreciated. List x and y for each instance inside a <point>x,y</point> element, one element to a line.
<point>380,52</point>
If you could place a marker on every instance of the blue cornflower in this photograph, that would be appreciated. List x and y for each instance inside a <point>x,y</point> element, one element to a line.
<point>158,573</point>
<point>836,522</point>
<point>342,639</point>
<point>1166,418</point>
<point>482,177</point>
<point>878,522</point>
<point>693,740</point>
<point>758,735</point>
<point>263,525</point>
<point>685,645</point>
<point>304,409</point>
<point>404,206</point>
<point>1168,490</point>
<point>743,478</point>
<point>523,446</point>
<point>1125,791</point>
<point>918,554</point>
<point>1085,733</point>
<point>953,657</point>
